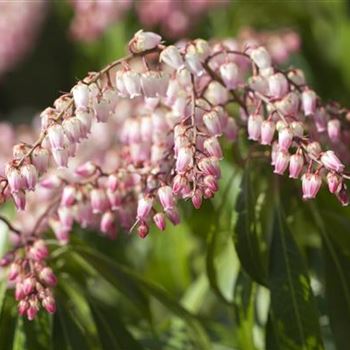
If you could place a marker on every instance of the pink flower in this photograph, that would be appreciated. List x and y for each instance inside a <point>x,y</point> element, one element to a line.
<point>159,221</point>
<point>331,161</point>
<point>143,41</point>
<point>144,207</point>
<point>166,197</point>
<point>296,164</point>
<point>285,138</point>
<point>278,85</point>
<point>81,95</point>
<point>254,126</point>
<point>309,102</point>
<point>48,277</point>
<point>267,132</point>
<point>281,162</point>
<point>311,183</point>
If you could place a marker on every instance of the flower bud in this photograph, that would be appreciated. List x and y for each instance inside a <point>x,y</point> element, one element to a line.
<point>102,110</point>
<point>38,250</point>
<point>333,128</point>
<point>86,170</point>
<point>154,83</point>
<point>278,85</point>
<point>179,184</point>
<point>331,161</point>
<point>184,160</point>
<point>143,230</point>
<point>230,75</point>
<point>29,175</point>
<point>308,99</point>
<point>254,126</point>
<point>311,184</point>
<point>159,221</point>
<point>55,133</point>
<point>212,122</point>
<point>49,304</point>
<point>166,197</point>
<point>19,199</point>
<point>15,179</point>
<point>144,207</point>
<point>81,95</point>
<point>99,201</point>
<point>14,271</point>
<point>28,285</point>
<point>23,306</point>
<point>281,162</point>
<point>48,277</point>
<point>85,118</point>
<point>297,129</point>
<point>115,199</point>
<point>143,41</point>
<point>33,309</point>
<point>334,182</point>
<point>314,148</point>
<point>289,105</point>
<point>194,63</point>
<point>296,164</point>
<point>216,94</point>
<point>211,182</point>
<point>173,215</point>
<point>212,146</point>
<point>285,138</point>
<point>132,83</point>
<point>72,129</point>
<point>261,57</point>
<point>197,199</point>
<point>210,166</point>
<point>107,224</point>
<point>40,159</point>
<point>267,132</point>
<point>320,117</point>
<point>172,57</point>
<point>61,157</point>
<point>66,218</point>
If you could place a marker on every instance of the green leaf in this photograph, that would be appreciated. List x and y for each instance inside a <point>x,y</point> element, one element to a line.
<point>111,329</point>
<point>337,276</point>
<point>115,273</point>
<point>292,303</point>
<point>249,242</point>
<point>244,296</point>
<point>8,320</point>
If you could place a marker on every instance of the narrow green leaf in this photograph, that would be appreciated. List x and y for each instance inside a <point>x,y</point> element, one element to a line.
<point>19,342</point>
<point>337,275</point>
<point>293,307</point>
<point>248,241</point>
<point>111,329</point>
<point>113,271</point>
<point>244,296</point>
<point>67,334</point>
<point>8,320</point>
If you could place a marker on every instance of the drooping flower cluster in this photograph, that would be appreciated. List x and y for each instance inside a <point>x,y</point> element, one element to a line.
<point>173,18</point>
<point>127,143</point>
<point>19,25</point>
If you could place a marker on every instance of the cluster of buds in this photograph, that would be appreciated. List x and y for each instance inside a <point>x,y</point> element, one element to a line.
<point>129,142</point>
<point>32,278</point>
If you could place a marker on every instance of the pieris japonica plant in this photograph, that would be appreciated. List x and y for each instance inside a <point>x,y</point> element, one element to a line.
<point>129,143</point>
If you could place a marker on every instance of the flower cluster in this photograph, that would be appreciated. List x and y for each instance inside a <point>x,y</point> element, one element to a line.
<point>19,25</point>
<point>173,18</point>
<point>128,142</point>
